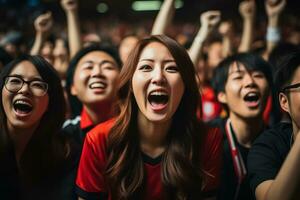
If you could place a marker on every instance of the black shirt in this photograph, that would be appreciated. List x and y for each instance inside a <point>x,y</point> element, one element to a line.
<point>50,186</point>
<point>229,180</point>
<point>75,130</point>
<point>268,154</point>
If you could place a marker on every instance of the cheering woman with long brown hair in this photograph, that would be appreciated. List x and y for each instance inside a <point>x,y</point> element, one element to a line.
<point>155,148</point>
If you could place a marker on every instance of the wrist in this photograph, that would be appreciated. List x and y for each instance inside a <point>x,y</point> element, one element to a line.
<point>273,34</point>
<point>273,21</point>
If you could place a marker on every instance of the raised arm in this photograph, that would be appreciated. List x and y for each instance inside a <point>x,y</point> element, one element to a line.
<point>71,9</point>
<point>42,25</point>
<point>287,182</point>
<point>273,8</point>
<point>163,18</point>
<point>247,11</point>
<point>225,30</point>
<point>208,20</point>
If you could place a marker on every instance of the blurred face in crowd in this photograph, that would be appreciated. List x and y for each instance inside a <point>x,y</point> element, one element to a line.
<point>60,49</point>
<point>290,101</point>
<point>126,46</point>
<point>157,84</point>
<point>214,57</point>
<point>245,93</point>
<point>95,78</point>
<point>47,51</point>
<point>24,103</point>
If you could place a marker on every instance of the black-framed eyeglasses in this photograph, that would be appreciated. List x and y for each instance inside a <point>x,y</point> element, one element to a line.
<point>14,83</point>
<point>293,86</point>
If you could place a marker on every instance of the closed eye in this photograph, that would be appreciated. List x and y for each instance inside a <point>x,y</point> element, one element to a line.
<point>258,75</point>
<point>145,67</point>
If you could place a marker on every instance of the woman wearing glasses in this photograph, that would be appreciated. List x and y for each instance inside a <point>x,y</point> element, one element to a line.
<point>33,155</point>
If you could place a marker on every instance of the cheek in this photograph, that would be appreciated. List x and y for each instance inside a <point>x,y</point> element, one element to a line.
<point>43,104</point>
<point>232,89</point>
<point>6,99</point>
<point>112,77</point>
<point>178,89</point>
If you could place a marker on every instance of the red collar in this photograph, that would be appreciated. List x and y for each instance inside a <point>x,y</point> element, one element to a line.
<point>85,120</point>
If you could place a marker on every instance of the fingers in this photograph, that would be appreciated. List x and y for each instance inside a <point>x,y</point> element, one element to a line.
<point>275,7</point>
<point>211,17</point>
<point>44,22</point>
<point>69,5</point>
<point>247,8</point>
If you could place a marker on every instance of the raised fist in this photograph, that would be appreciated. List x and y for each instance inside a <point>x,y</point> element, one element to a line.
<point>43,23</point>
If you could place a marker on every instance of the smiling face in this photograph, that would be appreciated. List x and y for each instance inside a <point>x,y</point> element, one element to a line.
<point>157,84</point>
<point>23,109</point>
<point>245,92</point>
<point>95,78</point>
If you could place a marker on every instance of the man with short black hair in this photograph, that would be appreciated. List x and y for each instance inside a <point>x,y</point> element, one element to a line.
<point>274,160</point>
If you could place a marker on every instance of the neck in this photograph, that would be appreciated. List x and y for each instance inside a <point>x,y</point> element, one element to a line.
<point>20,138</point>
<point>153,135</point>
<point>100,112</point>
<point>246,130</point>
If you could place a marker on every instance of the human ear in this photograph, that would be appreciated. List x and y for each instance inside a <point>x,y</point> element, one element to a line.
<point>222,97</point>
<point>73,90</point>
<point>284,102</point>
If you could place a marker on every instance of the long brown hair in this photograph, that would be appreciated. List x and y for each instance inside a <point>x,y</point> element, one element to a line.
<point>181,165</point>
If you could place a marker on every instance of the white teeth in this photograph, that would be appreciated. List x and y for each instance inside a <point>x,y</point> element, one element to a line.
<point>158,93</point>
<point>97,85</point>
<point>23,102</point>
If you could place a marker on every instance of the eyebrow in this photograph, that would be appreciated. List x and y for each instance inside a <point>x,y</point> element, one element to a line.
<point>152,60</point>
<point>34,78</point>
<point>101,63</point>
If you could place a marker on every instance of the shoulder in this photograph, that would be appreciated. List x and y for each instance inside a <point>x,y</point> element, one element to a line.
<point>268,153</point>
<point>277,136</point>
<point>100,132</point>
<point>213,136</point>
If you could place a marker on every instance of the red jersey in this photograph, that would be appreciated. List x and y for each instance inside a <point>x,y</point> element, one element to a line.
<point>90,180</point>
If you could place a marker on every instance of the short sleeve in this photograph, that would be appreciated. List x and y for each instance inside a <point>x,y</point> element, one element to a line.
<point>262,164</point>
<point>267,155</point>
<point>90,182</point>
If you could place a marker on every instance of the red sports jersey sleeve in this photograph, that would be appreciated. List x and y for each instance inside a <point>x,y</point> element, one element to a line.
<point>90,179</point>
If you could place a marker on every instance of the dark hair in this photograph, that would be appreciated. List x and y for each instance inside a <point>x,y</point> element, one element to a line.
<point>46,150</point>
<point>251,62</point>
<point>281,50</point>
<point>5,58</point>
<point>180,168</point>
<point>75,104</point>
<point>286,70</point>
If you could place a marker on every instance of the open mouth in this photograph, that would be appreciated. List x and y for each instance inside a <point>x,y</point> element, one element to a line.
<point>22,107</point>
<point>158,99</point>
<point>97,85</point>
<point>252,99</point>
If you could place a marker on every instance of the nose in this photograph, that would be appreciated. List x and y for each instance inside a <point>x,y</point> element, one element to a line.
<point>25,88</point>
<point>158,76</point>
<point>249,80</point>
<point>97,71</point>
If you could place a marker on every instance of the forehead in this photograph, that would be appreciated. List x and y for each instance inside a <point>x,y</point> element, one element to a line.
<point>96,56</point>
<point>236,67</point>
<point>26,69</point>
<point>156,51</point>
<point>296,76</point>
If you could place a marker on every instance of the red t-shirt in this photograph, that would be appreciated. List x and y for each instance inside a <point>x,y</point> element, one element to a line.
<point>90,181</point>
